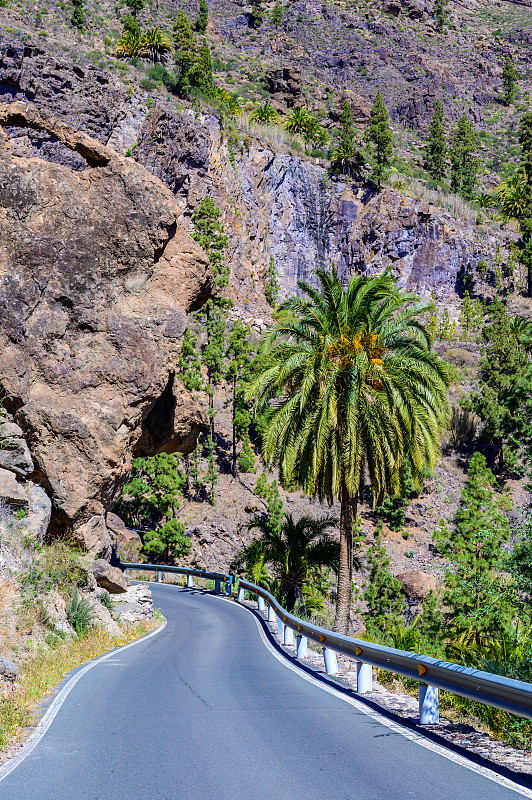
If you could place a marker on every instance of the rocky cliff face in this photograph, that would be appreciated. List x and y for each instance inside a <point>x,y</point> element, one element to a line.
<point>97,275</point>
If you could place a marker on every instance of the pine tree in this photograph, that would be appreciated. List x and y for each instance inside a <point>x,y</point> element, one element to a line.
<point>271,285</point>
<point>345,157</point>
<point>274,503</point>
<point>168,541</point>
<point>202,74</point>
<point>466,314</point>
<point>238,354</point>
<point>503,365</point>
<point>379,137</point>
<point>525,242</point>
<point>436,146</point>
<point>257,13</point>
<point>347,130</point>
<point>131,25</point>
<point>135,6</point>
<point>440,13</point>
<point>209,234</point>
<point>464,165</point>
<point>276,17</point>
<point>78,16</point>
<point>212,473</point>
<point>188,368</point>
<point>203,17</point>
<point>383,595</point>
<point>474,547</point>
<point>509,79</point>
<point>185,51</point>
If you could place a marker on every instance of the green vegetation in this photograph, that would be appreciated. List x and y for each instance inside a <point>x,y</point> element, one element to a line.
<point>509,79</point>
<point>436,149</point>
<point>345,157</point>
<point>80,614</point>
<point>379,138</point>
<point>203,17</point>
<point>340,365</point>
<point>465,166</point>
<point>78,14</point>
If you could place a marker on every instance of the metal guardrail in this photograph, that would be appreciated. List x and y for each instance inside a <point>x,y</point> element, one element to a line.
<point>431,674</point>
<point>217,577</point>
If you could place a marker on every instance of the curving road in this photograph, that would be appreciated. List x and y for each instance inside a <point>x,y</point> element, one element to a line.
<point>205,709</point>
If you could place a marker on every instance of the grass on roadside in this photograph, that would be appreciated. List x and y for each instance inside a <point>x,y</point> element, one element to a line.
<point>47,667</point>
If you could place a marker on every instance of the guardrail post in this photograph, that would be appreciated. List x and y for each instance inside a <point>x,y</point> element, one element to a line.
<point>331,663</point>
<point>240,596</point>
<point>190,582</point>
<point>260,602</point>
<point>301,644</point>
<point>429,708</point>
<point>279,626</point>
<point>364,678</point>
<point>288,635</point>
<point>217,589</point>
<point>272,616</point>
<point>228,588</point>
<point>159,578</point>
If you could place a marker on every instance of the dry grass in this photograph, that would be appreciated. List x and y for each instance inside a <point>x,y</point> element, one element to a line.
<point>453,203</point>
<point>275,136</point>
<point>47,667</point>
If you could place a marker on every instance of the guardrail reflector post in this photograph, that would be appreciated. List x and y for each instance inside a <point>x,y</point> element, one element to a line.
<point>217,589</point>
<point>260,602</point>
<point>159,577</point>
<point>279,626</point>
<point>301,644</point>
<point>190,582</point>
<point>364,678</point>
<point>272,616</point>
<point>288,635</point>
<point>429,709</point>
<point>331,663</point>
<point>240,596</point>
<point>228,588</point>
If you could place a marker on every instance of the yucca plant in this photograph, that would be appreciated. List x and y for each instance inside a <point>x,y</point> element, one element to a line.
<point>265,114</point>
<point>346,160</point>
<point>352,389</point>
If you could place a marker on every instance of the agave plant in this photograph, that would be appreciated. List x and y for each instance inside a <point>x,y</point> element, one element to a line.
<point>155,45</point>
<point>513,196</point>
<point>265,114</point>
<point>129,45</point>
<point>485,200</point>
<point>298,120</point>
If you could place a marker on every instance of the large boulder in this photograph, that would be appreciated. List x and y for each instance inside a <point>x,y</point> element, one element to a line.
<point>416,584</point>
<point>135,605</point>
<point>8,670</point>
<point>110,578</point>
<point>97,276</point>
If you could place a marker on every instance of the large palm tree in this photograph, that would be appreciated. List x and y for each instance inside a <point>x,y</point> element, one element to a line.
<point>352,390</point>
<point>296,552</point>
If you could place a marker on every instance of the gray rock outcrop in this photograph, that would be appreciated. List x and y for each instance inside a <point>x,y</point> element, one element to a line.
<point>112,579</point>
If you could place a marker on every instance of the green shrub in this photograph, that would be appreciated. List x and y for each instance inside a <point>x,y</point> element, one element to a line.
<point>80,614</point>
<point>105,600</point>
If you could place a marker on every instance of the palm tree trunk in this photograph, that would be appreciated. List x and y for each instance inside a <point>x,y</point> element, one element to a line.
<point>348,509</point>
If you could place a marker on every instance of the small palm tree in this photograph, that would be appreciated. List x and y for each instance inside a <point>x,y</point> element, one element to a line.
<point>155,45</point>
<point>512,195</point>
<point>352,390</point>
<point>297,121</point>
<point>297,552</point>
<point>485,200</point>
<point>314,133</point>
<point>521,328</point>
<point>346,160</point>
<point>129,45</point>
<point>265,114</point>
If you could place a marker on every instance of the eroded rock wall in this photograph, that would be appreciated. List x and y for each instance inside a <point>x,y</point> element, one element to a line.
<point>97,275</point>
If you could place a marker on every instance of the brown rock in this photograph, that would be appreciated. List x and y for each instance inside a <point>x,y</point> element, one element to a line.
<point>108,577</point>
<point>97,275</point>
<point>360,108</point>
<point>416,584</point>
<point>10,489</point>
<point>285,86</point>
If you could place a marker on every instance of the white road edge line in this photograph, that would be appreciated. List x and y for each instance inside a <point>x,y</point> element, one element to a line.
<point>53,709</point>
<point>441,750</point>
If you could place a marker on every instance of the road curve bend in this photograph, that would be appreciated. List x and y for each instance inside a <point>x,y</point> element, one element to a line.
<point>206,710</point>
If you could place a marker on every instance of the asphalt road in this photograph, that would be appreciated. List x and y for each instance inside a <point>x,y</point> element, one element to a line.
<point>205,710</point>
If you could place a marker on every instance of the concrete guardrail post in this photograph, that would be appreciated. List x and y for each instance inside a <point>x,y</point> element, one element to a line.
<point>429,708</point>
<point>301,644</point>
<point>240,596</point>
<point>272,616</point>
<point>190,582</point>
<point>228,588</point>
<point>217,589</point>
<point>288,635</point>
<point>364,678</point>
<point>279,626</point>
<point>331,663</point>
<point>260,603</point>
<point>159,576</point>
